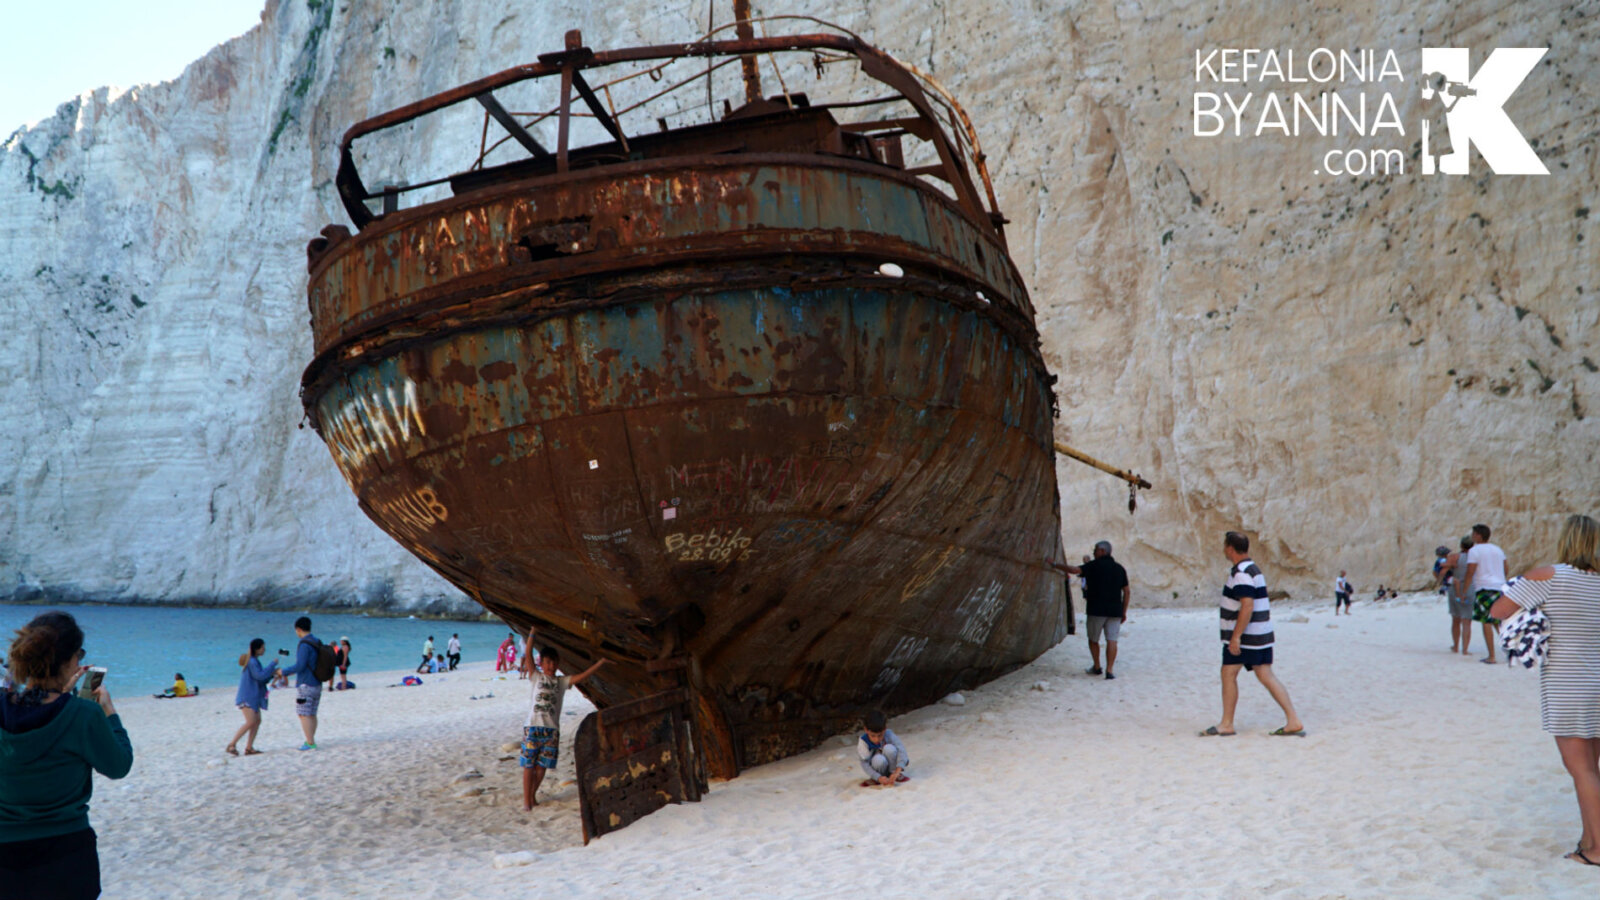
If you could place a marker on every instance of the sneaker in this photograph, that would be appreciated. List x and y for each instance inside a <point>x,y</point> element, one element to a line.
<point>1110,677</point>
<point>308,746</point>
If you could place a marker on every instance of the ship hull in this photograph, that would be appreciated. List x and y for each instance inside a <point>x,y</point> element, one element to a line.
<point>683,413</point>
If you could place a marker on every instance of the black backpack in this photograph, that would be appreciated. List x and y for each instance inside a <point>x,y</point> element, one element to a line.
<point>326,663</point>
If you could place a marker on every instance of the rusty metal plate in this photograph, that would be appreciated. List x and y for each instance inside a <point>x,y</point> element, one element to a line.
<point>634,758</point>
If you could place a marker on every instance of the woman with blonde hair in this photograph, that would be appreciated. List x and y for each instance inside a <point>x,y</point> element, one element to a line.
<point>50,742</point>
<point>1569,681</point>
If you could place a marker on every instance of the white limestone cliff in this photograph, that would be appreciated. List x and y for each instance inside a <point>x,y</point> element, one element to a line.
<point>1352,370</point>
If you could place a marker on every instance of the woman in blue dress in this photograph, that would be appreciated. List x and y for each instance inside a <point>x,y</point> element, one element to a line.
<point>252,697</point>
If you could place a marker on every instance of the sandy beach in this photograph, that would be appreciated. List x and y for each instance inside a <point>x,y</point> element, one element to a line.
<point>1425,775</point>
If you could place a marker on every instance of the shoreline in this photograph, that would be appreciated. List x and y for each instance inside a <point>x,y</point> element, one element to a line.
<point>354,610</point>
<point>424,613</point>
<point>477,669</point>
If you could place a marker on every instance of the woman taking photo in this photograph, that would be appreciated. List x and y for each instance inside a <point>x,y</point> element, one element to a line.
<point>252,697</point>
<point>1569,681</point>
<point>49,742</point>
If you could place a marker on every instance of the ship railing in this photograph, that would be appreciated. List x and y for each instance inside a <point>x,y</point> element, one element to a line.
<point>956,163</point>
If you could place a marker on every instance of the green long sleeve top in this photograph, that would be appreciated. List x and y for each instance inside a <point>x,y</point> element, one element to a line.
<point>47,754</point>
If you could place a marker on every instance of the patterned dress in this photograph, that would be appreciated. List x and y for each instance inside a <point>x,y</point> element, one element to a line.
<point>1569,681</point>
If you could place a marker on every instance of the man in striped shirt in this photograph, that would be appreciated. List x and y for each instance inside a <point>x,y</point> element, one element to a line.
<point>1247,639</point>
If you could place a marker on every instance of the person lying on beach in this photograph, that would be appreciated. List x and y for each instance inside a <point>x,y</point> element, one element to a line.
<point>541,734</point>
<point>883,758</point>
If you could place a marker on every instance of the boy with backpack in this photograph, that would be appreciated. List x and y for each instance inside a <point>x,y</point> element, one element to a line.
<point>314,663</point>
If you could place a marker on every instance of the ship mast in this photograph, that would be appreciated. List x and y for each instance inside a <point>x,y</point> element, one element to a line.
<point>752,73</point>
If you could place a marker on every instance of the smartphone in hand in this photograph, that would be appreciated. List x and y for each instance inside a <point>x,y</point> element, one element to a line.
<point>91,682</point>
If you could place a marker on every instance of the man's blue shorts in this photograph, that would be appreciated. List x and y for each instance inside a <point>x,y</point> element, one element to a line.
<point>1247,657</point>
<point>540,747</point>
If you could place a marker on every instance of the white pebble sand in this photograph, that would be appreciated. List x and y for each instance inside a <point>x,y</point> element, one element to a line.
<point>1425,775</point>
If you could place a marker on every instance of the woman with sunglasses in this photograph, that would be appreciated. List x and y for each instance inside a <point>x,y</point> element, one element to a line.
<point>50,740</point>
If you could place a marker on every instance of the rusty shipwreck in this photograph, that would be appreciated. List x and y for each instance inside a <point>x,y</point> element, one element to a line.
<point>745,397</point>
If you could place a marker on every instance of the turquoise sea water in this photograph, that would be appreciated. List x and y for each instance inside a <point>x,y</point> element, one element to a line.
<point>143,646</point>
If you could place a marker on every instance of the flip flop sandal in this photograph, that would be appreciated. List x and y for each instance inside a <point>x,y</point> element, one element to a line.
<point>1212,731</point>
<point>252,752</point>
<point>1577,856</point>
<point>1281,733</point>
<point>230,751</point>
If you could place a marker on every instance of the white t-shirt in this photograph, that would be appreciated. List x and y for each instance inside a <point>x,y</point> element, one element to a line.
<point>1491,572</point>
<point>453,647</point>
<point>549,692</point>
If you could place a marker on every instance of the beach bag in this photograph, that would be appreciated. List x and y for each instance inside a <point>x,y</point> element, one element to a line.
<point>1523,637</point>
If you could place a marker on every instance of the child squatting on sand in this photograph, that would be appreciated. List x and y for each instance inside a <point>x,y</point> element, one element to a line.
<point>883,757</point>
<point>541,735</point>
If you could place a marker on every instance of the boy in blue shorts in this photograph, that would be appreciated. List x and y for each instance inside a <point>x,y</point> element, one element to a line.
<point>541,735</point>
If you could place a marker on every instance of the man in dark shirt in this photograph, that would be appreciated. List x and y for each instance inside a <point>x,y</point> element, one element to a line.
<point>1105,602</point>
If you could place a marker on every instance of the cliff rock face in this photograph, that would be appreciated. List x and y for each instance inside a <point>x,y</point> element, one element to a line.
<point>1351,369</point>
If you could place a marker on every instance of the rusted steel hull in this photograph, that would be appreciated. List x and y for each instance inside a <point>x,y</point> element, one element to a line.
<point>677,411</point>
